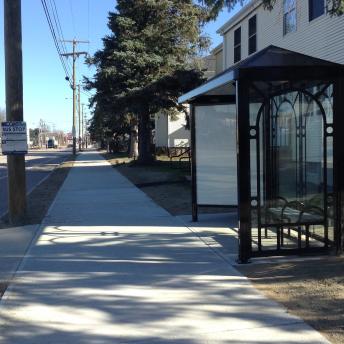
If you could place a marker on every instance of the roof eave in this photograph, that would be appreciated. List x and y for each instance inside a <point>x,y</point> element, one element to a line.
<point>208,86</point>
<point>217,49</point>
<point>238,16</point>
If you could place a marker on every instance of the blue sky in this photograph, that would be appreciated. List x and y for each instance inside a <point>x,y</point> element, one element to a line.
<point>45,89</point>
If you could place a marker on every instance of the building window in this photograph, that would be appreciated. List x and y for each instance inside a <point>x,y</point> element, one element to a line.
<point>316,8</point>
<point>237,45</point>
<point>289,16</point>
<point>252,35</point>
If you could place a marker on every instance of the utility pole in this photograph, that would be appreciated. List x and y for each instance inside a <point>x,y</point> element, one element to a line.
<point>74,55</point>
<point>14,107</point>
<point>85,131</point>
<point>79,112</point>
<point>82,125</point>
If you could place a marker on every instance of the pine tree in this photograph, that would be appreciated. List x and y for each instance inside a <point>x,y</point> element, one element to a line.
<point>148,60</point>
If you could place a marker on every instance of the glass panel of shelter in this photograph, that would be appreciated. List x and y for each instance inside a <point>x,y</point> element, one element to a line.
<point>291,167</point>
<point>215,148</point>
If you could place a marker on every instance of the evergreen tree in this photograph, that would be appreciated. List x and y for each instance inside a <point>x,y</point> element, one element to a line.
<point>148,60</point>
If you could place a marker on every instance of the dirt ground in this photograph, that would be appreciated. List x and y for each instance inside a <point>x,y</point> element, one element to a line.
<point>311,288</point>
<point>168,184</point>
<point>40,199</point>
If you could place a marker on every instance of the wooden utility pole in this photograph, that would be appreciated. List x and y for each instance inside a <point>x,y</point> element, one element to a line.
<point>79,113</point>
<point>82,127</point>
<point>74,55</point>
<point>85,131</point>
<point>14,106</point>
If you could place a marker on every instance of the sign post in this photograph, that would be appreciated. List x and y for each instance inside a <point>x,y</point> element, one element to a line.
<point>14,112</point>
<point>14,138</point>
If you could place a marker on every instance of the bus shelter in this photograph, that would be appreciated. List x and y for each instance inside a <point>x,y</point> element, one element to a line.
<point>266,136</point>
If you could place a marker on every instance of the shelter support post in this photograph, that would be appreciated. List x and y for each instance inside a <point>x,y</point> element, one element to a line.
<point>193,164</point>
<point>243,170</point>
<point>338,161</point>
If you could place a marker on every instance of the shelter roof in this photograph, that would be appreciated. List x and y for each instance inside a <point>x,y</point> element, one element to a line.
<point>271,63</point>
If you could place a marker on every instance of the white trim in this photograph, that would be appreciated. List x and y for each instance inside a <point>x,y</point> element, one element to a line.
<point>210,85</point>
<point>217,49</point>
<point>244,12</point>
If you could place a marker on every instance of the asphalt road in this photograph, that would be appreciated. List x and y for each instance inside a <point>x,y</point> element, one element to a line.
<point>39,164</point>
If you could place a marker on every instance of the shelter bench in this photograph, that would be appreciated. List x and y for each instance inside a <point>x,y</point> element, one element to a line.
<point>296,216</point>
<point>183,153</point>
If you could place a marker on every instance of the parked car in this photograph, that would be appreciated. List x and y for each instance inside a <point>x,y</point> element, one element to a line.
<point>52,143</point>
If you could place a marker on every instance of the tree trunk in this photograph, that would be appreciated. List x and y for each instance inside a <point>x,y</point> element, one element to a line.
<point>134,148</point>
<point>145,153</point>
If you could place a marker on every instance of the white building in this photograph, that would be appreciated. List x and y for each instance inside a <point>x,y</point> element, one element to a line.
<point>217,52</point>
<point>303,26</point>
<point>171,132</point>
<point>175,132</point>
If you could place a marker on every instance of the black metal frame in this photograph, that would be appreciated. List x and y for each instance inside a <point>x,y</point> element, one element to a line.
<point>244,178</point>
<point>289,70</point>
<point>193,164</point>
<point>338,160</point>
<point>244,175</point>
<point>270,178</point>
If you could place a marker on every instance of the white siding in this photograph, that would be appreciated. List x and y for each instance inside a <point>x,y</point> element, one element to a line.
<point>171,133</point>
<point>177,135</point>
<point>219,62</point>
<point>322,37</point>
<point>161,130</point>
<point>209,64</point>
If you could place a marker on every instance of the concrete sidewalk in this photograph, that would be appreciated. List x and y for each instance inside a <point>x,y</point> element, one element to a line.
<point>110,266</point>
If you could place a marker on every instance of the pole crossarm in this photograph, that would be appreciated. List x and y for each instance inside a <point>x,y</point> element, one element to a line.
<point>74,41</point>
<point>76,54</point>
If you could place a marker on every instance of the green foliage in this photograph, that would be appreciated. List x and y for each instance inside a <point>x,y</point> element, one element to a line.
<point>213,7</point>
<point>147,61</point>
<point>335,7</point>
<point>34,136</point>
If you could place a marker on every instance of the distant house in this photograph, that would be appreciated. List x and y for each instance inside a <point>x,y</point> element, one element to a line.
<point>175,132</point>
<point>217,53</point>
<point>171,132</point>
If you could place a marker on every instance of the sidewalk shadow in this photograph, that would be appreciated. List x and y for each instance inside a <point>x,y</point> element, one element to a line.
<point>117,278</point>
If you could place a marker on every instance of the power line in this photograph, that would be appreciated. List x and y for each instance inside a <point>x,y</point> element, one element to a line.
<point>51,26</point>
<point>56,20</point>
<point>58,26</point>
<point>86,93</point>
<point>55,38</point>
<point>53,19</point>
